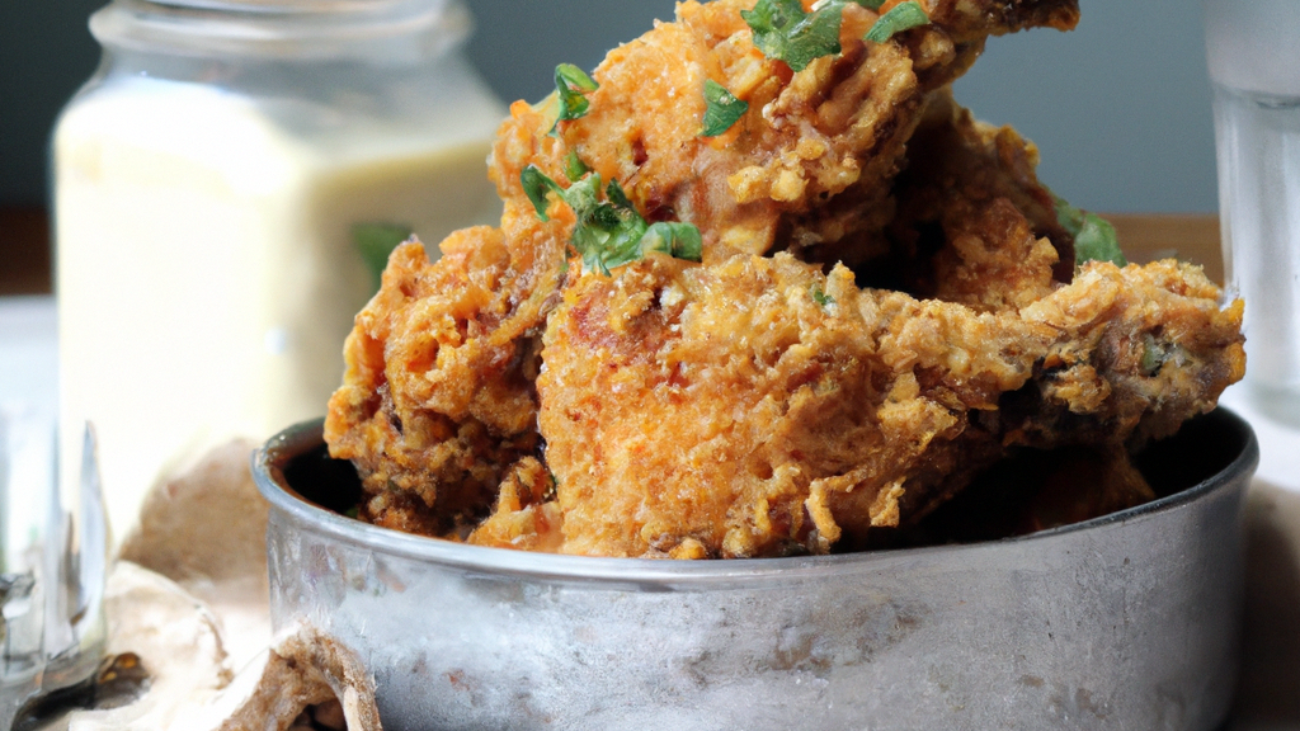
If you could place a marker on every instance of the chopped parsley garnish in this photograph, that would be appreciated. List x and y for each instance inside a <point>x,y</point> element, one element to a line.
<point>572,85</point>
<point>610,233</point>
<point>614,192</point>
<point>1094,237</point>
<point>1097,241</point>
<point>536,184</point>
<point>900,18</point>
<point>723,111</point>
<point>782,30</point>
<point>1153,356</point>
<point>679,240</point>
<point>821,297</point>
<point>552,486</point>
<point>574,167</point>
<point>376,241</point>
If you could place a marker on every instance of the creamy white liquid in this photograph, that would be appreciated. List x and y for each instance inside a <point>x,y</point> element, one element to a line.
<point>206,269</point>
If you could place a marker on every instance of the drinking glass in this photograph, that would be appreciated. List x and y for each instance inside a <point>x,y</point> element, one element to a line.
<point>1253,50</point>
<point>53,565</point>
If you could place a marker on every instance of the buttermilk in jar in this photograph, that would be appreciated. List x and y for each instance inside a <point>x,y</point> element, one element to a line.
<point>226,187</point>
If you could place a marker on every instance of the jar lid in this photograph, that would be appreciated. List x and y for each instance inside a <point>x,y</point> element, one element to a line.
<point>296,6</point>
<point>284,28</point>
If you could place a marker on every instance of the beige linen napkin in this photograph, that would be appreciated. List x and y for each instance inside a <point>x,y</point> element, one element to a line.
<point>189,596</point>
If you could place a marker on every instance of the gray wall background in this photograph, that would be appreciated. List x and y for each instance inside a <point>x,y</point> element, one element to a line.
<point>1120,108</point>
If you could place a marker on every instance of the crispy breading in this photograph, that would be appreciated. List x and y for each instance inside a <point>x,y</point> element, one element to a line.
<point>1142,349</point>
<point>755,406</point>
<point>974,225</point>
<point>728,406</point>
<point>886,305</point>
<point>809,165</point>
<point>437,399</point>
<point>525,516</point>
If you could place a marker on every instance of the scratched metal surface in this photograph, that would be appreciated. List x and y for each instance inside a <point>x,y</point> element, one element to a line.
<point>1126,622</point>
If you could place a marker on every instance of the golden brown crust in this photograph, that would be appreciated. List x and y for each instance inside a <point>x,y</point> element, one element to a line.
<point>438,396</point>
<point>525,516</point>
<point>809,165</point>
<point>1142,349</point>
<point>974,225</point>
<point>725,405</point>
<point>763,401</point>
<point>687,403</point>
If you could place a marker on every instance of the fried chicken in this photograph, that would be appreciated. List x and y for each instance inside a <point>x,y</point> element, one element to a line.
<point>755,407</point>
<point>808,166</point>
<point>886,304</point>
<point>437,400</point>
<point>974,225</point>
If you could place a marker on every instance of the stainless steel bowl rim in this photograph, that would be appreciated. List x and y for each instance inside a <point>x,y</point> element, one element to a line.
<point>585,568</point>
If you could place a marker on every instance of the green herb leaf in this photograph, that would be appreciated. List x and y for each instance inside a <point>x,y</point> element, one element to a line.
<point>723,110</point>
<point>614,192</point>
<point>536,185</point>
<point>870,4</point>
<point>353,512</point>
<point>679,240</point>
<point>610,233</point>
<point>1153,356</point>
<point>902,17</point>
<point>1097,241</point>
<point>782,30</point>
<point>821,297</point>
<point>376,241</point>
<point>572,85</point>
<point>574,167</point>
<point>583,197</point>
<point>1094,238</point>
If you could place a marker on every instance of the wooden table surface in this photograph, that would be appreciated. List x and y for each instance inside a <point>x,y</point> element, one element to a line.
<point>25,250</point>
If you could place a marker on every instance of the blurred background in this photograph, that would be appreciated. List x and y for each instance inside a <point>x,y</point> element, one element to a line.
<point>1120,108</point>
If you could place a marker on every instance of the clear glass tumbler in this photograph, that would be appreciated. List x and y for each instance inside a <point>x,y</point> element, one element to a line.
<point>1253,50</point>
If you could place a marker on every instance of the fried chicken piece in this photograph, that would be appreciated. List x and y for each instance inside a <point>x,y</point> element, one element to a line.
<point>1143,349</point>
<point>437,400</point>
<point>1137,352</point>
<point>437,403</point>
<point>689,406</point>
<point>974,225</point>
<point>755,407</point>
<point>526,516</point>
<point>809,165</point>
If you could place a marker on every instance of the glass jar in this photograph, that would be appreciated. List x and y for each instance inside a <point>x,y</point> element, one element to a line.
<point>225,187</point>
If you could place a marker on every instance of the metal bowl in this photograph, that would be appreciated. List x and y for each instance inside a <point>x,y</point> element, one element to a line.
<point>1124,622</point>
